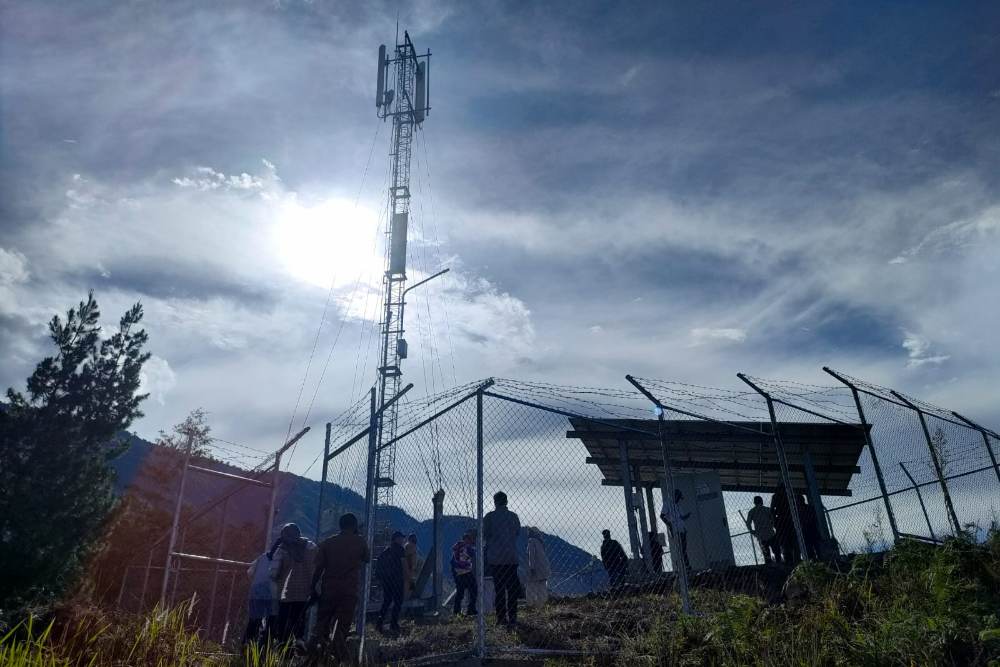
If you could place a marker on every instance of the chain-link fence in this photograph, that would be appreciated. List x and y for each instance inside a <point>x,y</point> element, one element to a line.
<point>671,471</point>
<point>634,505</point>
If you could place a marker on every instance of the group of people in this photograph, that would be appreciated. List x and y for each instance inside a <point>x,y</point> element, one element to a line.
<point>774,528</point>
<point>295,573</point>
<point>279,588</point>
<point>615,560</point>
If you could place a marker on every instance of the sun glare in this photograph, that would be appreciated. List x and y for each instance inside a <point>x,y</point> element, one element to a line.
<point>332,240</point>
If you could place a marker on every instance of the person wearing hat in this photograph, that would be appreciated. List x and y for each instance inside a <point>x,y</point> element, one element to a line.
<point>390,572</point>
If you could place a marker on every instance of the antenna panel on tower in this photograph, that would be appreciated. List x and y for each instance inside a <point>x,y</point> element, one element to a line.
<point>421,95</point>
<point>380,87</point>
<point>397,253</point>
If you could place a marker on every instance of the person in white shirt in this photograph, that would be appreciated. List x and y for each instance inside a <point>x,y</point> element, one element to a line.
<point>263,603</point>
<point>536,591</point>
<point>676,525</point>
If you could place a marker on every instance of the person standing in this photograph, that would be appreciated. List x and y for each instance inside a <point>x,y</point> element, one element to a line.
<point>263,605</point>
<point>500,530</point>
<point>614,559</point>
<point>463,562</point>
<point>391,571</point>
<point>677,526</point>
<point>760,522</point>
<point>296,557</point>
<point>537,589</point>
<point>784,527</point>
<point>339,561</point>
<point>411,565</point>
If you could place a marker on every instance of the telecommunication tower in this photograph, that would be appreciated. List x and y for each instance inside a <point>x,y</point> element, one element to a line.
<point>407,105</point>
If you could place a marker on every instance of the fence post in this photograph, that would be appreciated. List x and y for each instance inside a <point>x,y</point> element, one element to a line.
<point>866,429</point>
<point>936,461</point>
<point>177,518</point>
<point>215,573</point>
<point>369,527</point>
<point>920,498</point>
<point>274,501</point>
<point>753,547</point>
<point>633,533</point>
<point>667,488</point>
<point>643,528</point>
<point>437,502</point>
<point>779,447</point>
<point>322,482</point>
<point>480,553</point>
<point>986,441</point>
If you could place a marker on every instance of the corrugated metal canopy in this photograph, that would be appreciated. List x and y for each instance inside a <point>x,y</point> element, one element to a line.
<point>742,453</point>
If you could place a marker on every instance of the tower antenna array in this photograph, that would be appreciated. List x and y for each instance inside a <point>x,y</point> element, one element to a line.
<point>407,105</point>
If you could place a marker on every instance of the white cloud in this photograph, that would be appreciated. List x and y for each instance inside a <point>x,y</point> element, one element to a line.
<point>157,379</point>
<point>917,347</point>
<point>13,267</point>
<point>701,335</point>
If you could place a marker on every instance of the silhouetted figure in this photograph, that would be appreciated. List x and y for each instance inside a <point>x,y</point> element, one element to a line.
<point>784,527</point>
<point>463,563</point>
<point>339,561</point>
<point>500,530</point>
<point>760,522</point>
<point>391,570</point>
<point>655,552</point>
<point>614,558</point>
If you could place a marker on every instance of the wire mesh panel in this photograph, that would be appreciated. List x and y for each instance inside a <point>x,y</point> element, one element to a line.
<point>577,590</point>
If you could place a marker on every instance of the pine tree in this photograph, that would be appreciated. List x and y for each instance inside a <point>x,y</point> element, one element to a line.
<point>56,444</point>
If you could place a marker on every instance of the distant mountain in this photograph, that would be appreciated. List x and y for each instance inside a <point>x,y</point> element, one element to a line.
<point>298,498</point>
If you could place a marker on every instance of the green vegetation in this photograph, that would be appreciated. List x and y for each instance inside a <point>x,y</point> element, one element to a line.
<point>58,439</point>
<point>914,605</point>
<point>91,637</point>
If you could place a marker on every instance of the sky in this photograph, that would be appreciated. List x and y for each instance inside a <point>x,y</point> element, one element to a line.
<point>680,192</point>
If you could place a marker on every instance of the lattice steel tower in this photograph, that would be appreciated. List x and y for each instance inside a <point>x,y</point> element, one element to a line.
<point>406,105</point>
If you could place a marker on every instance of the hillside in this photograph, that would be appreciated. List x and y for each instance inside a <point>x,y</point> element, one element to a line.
<point>150,472</point>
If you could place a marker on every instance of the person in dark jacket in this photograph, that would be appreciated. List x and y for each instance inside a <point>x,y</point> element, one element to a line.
<point>500,530</point>
<point>340,561</point>
<point>463,563</point>
<point>784,528</point>
<point>614,558</point>
<point>390,571</point>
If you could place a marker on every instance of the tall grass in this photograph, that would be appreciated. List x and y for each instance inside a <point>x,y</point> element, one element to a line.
<point>914,605</point>
<point>88,637</point>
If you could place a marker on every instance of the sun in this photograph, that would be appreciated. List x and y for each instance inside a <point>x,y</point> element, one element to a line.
<point>331,241</point>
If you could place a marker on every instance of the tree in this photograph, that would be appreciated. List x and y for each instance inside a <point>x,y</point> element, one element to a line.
<point>56,443</point>
<point>195,426</point>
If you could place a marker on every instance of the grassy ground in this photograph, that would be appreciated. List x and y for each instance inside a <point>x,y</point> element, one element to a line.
<point>915,605</point>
